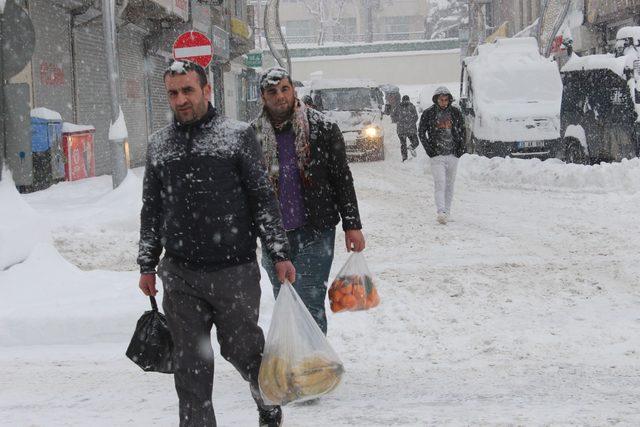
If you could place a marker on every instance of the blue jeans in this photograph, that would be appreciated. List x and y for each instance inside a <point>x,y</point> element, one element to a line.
<point>311,255</point>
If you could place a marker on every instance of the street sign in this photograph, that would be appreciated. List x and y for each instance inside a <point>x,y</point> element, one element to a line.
<point>193,46</point>
<point>254,59</point>
<point>18,39</point>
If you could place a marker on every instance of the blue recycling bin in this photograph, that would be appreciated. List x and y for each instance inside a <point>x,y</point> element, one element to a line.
<point>48,164</point>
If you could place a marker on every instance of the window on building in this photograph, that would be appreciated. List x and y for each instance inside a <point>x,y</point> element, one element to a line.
<point>239,9</point>
<point>345,27</point>
<point>302,28</point>
<point>396,24</point>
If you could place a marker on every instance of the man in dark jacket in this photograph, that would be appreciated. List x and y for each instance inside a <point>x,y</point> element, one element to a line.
<point>307,164</point>
<point>406,117</point>
<point>442,135</point>
<point>206,196</point>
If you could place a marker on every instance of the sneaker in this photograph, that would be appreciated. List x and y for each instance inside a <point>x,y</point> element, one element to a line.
<point>413,152</point>
<point>270,417</point>
<point>442,218</point>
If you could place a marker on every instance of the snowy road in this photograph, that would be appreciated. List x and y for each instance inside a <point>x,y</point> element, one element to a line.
<point>524,311</point>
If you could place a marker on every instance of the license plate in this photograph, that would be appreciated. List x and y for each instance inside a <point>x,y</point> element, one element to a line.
<point>530,144</point>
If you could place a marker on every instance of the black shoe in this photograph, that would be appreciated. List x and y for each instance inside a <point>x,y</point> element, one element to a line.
<point>270,417</point>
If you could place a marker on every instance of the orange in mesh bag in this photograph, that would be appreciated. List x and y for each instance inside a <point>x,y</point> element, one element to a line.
<point>353,289</point>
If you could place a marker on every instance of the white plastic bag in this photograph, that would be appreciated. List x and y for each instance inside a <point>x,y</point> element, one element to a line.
<point>298,362</point>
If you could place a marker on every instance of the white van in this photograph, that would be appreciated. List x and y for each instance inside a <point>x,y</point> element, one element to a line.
<point>357,106</point>
<point>510,96</point>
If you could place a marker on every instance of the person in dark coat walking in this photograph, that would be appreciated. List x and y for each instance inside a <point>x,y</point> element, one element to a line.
<point>442,135</point>
<point>406,117</point>
<point>307,164</point>
<point>206,198</point>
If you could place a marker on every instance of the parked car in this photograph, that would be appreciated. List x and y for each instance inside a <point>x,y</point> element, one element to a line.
<point>601,103</point>
<point>357,107</point>
<point>510,96</point>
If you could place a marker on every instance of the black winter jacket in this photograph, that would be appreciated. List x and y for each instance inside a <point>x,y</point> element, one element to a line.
<point>329,194</point>
<point>206,196</point>
<point>406,117</point>
<point>427,129</point>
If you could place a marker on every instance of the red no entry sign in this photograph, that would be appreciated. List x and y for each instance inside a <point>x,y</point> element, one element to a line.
<point>193,46</point>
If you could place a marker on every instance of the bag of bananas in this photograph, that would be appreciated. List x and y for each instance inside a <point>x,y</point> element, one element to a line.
<point>298,362</point>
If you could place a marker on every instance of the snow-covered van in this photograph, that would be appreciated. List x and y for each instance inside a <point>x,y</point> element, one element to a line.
<point>357,106</point>
<point>510,96</point>
<point>601,102</point>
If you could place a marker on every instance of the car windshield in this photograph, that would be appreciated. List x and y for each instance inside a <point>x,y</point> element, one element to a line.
<point>345,99</point>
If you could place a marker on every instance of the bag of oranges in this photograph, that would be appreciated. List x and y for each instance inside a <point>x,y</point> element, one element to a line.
<point>353,288</point>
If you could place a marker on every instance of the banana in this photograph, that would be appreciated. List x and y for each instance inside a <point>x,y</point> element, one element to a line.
<point>313,376</point>
<point>316,384</point>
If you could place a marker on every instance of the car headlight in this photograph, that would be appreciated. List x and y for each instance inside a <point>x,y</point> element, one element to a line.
<point>371,132</point>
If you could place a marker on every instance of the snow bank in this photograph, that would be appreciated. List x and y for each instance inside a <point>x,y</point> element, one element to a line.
<point>21,228</point>
<point>45,114</point>
<point>551,174</point>
<point>47,300</point>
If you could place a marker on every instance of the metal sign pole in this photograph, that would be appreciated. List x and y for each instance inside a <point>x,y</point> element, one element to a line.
<point>3,139</point>
<point>119,166</point>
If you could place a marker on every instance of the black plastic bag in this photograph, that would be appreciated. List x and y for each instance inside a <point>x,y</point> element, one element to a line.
<point>151,346</point>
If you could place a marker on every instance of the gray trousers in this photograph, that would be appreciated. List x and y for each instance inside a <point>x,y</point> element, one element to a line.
<point>193,302</point>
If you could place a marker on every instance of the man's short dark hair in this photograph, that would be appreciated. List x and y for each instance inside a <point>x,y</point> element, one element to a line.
<point>272,77</point>
<point>183,67</point>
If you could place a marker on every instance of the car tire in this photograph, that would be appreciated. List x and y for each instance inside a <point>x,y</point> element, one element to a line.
<point>574,153</point>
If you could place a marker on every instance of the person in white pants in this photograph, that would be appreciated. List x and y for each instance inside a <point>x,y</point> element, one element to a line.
<point>441,132</point>
<point>443,169</point>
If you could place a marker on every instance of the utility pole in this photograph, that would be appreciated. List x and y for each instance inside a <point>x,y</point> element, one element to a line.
<point>259,23</point>
<point>3,139</point>
<point>118,158</point>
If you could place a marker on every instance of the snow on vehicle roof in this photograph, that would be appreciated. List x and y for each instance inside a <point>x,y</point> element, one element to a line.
<point>341,83</point>
<point>500,70</point>
<point>629,32</point>
<point>596,62</point>
<point>45,114</point>
<point>509,45</point>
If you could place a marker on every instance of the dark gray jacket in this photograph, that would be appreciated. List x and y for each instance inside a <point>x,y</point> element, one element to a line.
<point>406,117</point>
<point>329,193</point>
<point>206,197</point>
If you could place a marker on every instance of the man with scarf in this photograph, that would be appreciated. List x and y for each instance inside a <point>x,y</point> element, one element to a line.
<point>305,157</point>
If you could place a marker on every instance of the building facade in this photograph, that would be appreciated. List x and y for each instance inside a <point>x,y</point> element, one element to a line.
<point>68,71</point>
<point>351,21</point>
